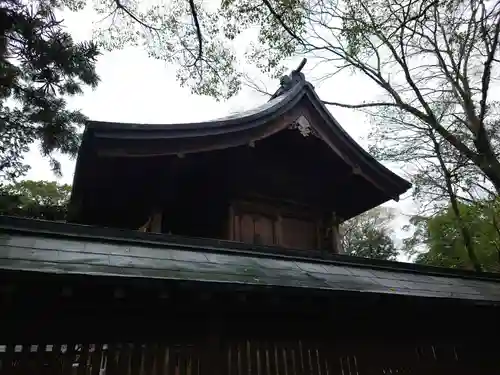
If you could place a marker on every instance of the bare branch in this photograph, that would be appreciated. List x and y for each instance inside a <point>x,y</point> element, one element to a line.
<point>194,14</point>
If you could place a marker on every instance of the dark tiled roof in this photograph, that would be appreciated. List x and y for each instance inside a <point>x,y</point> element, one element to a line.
<point>29,245</point>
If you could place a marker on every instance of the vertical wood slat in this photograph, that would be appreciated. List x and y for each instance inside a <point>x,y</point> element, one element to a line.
<point>68,356</point>
<point>7,360</point>
<point>159,360</point>
<point>123,358</point>
<point>424,359</point>
<point>19,360</point>
<point>149,359</point>
<point>288,361</point>
<point>183,360</point>
<point>42,359</point>
<point>83,360</point>
<point>401,359</point>
<point>231,358</point>
<point>112,356</point>
<point>136,358</point>
<point>239,360</point>
<point>96,360</point>
<point>248,354</point>
<point>301,357</point>
<point>166,358</point>
<point>268,358</point>
<point>294,357</point>
<point>257,357</point>
<point>56,360</point>
<point>245,364</point>
<point>172,360</point>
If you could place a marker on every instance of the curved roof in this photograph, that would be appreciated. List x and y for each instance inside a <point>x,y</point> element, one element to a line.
<point>295,96</point>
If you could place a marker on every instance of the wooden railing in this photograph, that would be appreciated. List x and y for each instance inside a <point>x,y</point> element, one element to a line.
<point>237,358</point>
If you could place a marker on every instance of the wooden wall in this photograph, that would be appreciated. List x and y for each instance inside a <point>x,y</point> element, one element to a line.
<point>272,224</point>
<point>267,222</point>
<point>247,357</point>
<point>97,327</point>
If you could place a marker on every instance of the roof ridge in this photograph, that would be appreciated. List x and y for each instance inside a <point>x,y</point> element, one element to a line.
<point>287,82</point>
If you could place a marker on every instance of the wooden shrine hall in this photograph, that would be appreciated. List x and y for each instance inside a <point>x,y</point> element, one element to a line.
<point>214,249</point>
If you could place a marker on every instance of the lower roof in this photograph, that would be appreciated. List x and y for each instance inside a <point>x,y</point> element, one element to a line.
<point>61,248</point>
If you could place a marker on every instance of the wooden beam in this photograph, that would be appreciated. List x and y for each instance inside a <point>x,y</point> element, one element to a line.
<point>336,235</point>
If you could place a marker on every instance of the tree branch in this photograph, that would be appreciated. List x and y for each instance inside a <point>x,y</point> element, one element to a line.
<point>120,6</point>
<point>194,14</point>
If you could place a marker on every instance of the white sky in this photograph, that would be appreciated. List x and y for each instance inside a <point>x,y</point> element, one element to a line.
<point>135,88</point>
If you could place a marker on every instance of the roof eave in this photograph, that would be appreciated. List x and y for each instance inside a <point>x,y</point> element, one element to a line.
<point>363,163</point>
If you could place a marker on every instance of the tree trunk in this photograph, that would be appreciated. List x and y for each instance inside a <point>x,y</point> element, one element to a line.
<point>488,161</point>
<point>491,169</point>
<point>468,243</point>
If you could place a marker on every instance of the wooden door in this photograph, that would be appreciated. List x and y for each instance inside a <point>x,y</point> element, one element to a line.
<point>262,224</point>
<point>298,233</point>
<point>256,229</point>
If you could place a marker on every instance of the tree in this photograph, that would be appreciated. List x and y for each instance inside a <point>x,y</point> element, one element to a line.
<point>418,52</point>
<point>40,64</point>
<point>35,199</point>
<point>442,236</point>
<point>438,172</point>
<point>369,235</point>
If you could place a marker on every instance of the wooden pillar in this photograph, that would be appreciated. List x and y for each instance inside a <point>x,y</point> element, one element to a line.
<point>154,223</point>
<point>336,235</point>
<point>156,220</point>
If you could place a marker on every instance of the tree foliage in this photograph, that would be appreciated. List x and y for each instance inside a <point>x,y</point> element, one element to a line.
<point>419,52</point>
<point>35,199</point>
<point>40,65</point>
<point>441,176</point>
<point>369,235</point>
<point>443,241</point>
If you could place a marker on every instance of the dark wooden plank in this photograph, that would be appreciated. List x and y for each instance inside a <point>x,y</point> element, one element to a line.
<point>136,358</point>
<point>288,361</point>
<point>43,359</point>
<point>246,364</point>
<point>239,358</point>
<point>232,357</point>
<point>83,360</point>
<point>183,358</point>
<point>7,359</point>
<point>56,360</point>
<point>173,358</point>
<point>267,354</point>
<point>163,359</point>
<point>68,357</point>
<point>277,358</point>
<point>295,356</point>
<point>96,359</point>
<point>21,360</point>
<point>112,358</point>
<point>149,365</point>
<point>125,359</point>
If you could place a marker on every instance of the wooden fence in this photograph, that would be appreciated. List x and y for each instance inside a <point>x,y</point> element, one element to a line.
<point>236,358</point>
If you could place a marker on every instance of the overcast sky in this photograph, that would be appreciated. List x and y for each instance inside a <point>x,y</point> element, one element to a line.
<point>135,88</point>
